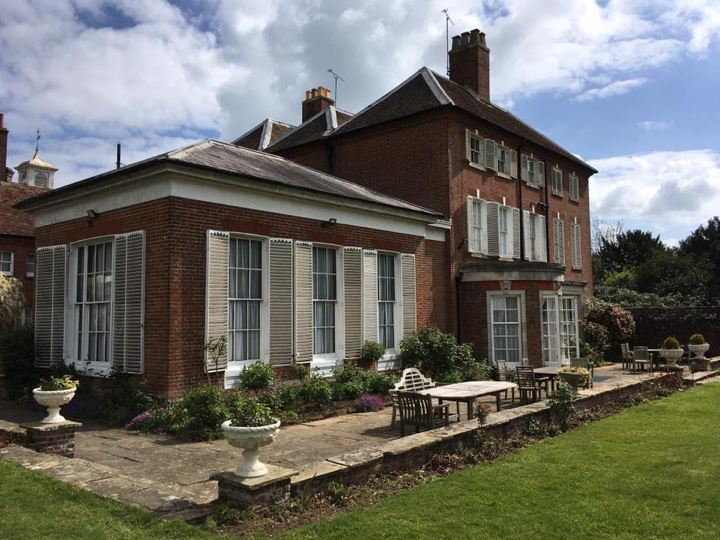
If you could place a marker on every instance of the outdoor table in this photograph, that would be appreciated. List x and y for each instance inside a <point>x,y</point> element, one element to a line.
<point>552,372</point>
<point>468,392</point>
<point>654,355</point>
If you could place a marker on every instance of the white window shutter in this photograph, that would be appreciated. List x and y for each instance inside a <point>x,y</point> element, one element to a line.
<point>370,295</point>
<point>409,307</point>
<point>303,302</point>
<point>576,254</point>
<point>50,298</point>
<point>470,224</point>
<point>280,277</point>
<point>493,240</point>
<point>540,166</point>
<point>513,163</point>
<point>128,313</point>
<point>491,158</point>
<point>524,168</point>
<point>540,234</point>
<point>515,229</point>
<point>559,241</point>
<point>468,154</point>
<point>216,311</point>
<point>528,240</point>
<point>352,287</point>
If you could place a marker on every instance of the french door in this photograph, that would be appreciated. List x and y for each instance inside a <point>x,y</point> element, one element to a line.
<point>559,329</point>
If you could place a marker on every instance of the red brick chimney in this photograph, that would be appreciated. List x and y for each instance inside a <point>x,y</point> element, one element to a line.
<point>470,63</point>
<point>4,176</point>
<point>316,100</point>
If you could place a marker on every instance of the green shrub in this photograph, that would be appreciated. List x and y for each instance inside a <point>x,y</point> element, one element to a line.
<point>316,389</point>
<point>233,401</point>
<point>252,413</point>
<point>289,395</point>
<point>671,343</point>
<point>257,376</point>
<point>271,398</point>
<point>299,372</point>
<point>66,382</point>
<point>337,493</point>
<point>380,383</point>
<point>201,412</point>
<point>697,339</point>
<point>561,404</point>
<point>618,323</point>
<point>17,362</point>
<point>119,398</point>
<point>371,352</point>
<point>588,352</point>
<point>350,373</point>
<point>349,390</point>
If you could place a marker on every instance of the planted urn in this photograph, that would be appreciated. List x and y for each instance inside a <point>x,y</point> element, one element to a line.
<point>698,346</point>
<point>575,377</point>
<point>671,351</point>
<point>53,393</point>
<point>251,428</point>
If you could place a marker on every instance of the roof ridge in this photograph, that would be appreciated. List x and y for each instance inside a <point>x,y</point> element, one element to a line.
<point>296,128</point>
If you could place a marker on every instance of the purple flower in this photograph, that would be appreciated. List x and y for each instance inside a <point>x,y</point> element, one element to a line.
<point>370,403</point>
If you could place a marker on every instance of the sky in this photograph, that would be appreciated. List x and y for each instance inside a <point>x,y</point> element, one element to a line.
<point>629,86</point>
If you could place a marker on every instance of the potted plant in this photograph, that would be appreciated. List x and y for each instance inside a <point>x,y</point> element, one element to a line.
<point>251,428</point>
<point>671,351</point>
<point>574,376</point>
<point>698,346</point>
<point>53,393</point>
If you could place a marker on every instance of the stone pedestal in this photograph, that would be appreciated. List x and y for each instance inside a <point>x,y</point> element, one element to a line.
<point>56,438</point>
<point>269,489</point>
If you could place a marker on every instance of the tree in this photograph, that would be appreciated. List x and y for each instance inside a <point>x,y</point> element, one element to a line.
<point>704,244</point>
<point>671,273</point>
<point>12,300</point>
<point>627,250</point>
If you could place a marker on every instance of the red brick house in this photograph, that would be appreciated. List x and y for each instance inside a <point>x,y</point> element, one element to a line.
<point>17,233</point>
<point>516,265</point>
<point>139,267</point>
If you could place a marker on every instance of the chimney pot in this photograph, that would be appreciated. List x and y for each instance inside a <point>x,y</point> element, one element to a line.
<point>455,43</point>
<point>470,63</point>
<point>308,94</point>
<point>2,120</point>
<point>316,99</point>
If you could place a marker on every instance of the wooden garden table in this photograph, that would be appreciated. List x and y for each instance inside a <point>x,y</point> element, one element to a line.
<point>468,392</point>
<point>552,372</point>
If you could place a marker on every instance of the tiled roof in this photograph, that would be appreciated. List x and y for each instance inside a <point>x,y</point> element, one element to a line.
<point>264,134</point>
<point>313,129</point>
<point>220,156</point>
<point>13,221</point>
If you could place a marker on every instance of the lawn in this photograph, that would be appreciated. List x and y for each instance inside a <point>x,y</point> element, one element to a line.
<point>649,472</point>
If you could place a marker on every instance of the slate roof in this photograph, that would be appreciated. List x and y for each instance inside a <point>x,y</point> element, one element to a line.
<point>423,91</point>
<point>313,129</point>
<point>264,134</point>
<point>220,156</point>
<point>15,222</point>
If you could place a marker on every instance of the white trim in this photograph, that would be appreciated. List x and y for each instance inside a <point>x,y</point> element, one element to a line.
<point>11,272</point>
<point>435,87</point>
<point>326,363</point>
<point>27,272</point>
<point>489,295</point>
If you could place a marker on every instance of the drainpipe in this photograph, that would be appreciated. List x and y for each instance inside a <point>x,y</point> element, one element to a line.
<point>458,281</point>
<point>519,198</point>
<point>547,213</point>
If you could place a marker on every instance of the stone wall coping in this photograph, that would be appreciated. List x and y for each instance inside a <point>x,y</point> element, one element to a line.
<point>41,428</point>
<point>274,475</point>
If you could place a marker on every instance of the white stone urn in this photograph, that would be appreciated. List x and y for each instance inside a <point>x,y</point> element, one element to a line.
<point>699,350</point>
<point>250,439</point>
<point>574,381</point>
<point>671,356</point>
<point>53,400</point>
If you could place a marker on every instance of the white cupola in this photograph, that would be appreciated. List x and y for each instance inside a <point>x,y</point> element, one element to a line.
<point>36,172</point>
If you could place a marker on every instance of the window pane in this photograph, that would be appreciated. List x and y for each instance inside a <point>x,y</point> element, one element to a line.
<point>244,254</point>
<point>332,287</point>
<point>331,261</point>
<point>232,279</point>
<point>254,315</point>
<point>319,341</point>
<point>256,254</point>
<point>330,314</point>
<point>320,260</point>
<point>319,314</point>
<point>91,259</point>
<point>254,345</point>
<point>256,284</point>
<point>232,253</point>
<point>244,284</point>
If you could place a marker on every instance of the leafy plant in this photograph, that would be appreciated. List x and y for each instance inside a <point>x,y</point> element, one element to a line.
<point>230,514</point>
<point>671,343</point>
<point>252,413</point>
<point>299,372</point>
<point>371,352</point>
<point>350,373</point>
<point>200,413</point>
<point>271,398</point>
<point>216,348</point>
<point>17,362</point>
<point>481,413</point>
<point>380,383</point>
<point>370,403</point>
<point>316,389</point>
<point>697,339</point>
<point>618,322</point>
<point>337,493</point>
<point>561,404</point>
<point>257,376</point>
<point>349,390</point>
<point>153,421</point>
<point>12,299</point>
<point>58,383</point>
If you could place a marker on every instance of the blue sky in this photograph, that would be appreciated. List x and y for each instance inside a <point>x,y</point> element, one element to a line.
<point>629,86</point>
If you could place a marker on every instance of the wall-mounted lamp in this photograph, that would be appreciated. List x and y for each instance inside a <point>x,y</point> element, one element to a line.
<point>91,215</point>
<point>330,222</point>
<point>557,285</point>
<point>462,243</point>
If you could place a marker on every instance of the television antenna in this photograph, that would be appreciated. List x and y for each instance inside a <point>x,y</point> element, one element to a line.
<point>448,22</point>
<point>336,83</point>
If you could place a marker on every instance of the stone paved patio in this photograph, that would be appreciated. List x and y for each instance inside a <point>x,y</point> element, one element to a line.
<point>161,472</point>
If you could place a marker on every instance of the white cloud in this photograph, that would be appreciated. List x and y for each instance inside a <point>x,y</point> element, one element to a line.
<point>220,67</point>
<point>655,125</point>
<point>669,193</point>
<point>613,89</point>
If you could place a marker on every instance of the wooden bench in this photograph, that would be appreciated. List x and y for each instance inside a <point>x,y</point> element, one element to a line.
<point>411,381</point>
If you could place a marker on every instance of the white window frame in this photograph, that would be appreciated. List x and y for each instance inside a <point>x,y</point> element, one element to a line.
<point>235,367</point>
<point>479,225</point>
<point>480,153</point>
<point>28,273</point>
<point>574,187</point>
<point>25,318</point>
<point>565,328</point>
<point>557,184</point>
<point>503,151</point>
<point>3,253</point>
<point>532,235</point>
<point>77,340</point>
<point>505,249</point>
<point>324,364</point>
<point>531,172</point>
<point>397,307</point>
<point>522,334</point>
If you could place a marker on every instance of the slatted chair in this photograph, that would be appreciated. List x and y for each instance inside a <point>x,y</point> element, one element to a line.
<point>587,364</point>
<point>525,362</point>
<point>627,356</point>
<point>529,384</point>
<point>410,381</point>
<point>506,376</point>
<point>641,357</point>
<point>418,410</point>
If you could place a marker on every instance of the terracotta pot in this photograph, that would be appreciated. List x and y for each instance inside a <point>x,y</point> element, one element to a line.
<point>53,400</point>
<point>250,439</point>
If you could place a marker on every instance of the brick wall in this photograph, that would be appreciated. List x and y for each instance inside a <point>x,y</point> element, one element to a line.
<point>175,272</point>
<point>653,325</point>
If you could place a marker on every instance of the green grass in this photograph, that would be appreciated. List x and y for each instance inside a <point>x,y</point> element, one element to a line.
<point>34,506</point>
<point>650,472</point>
